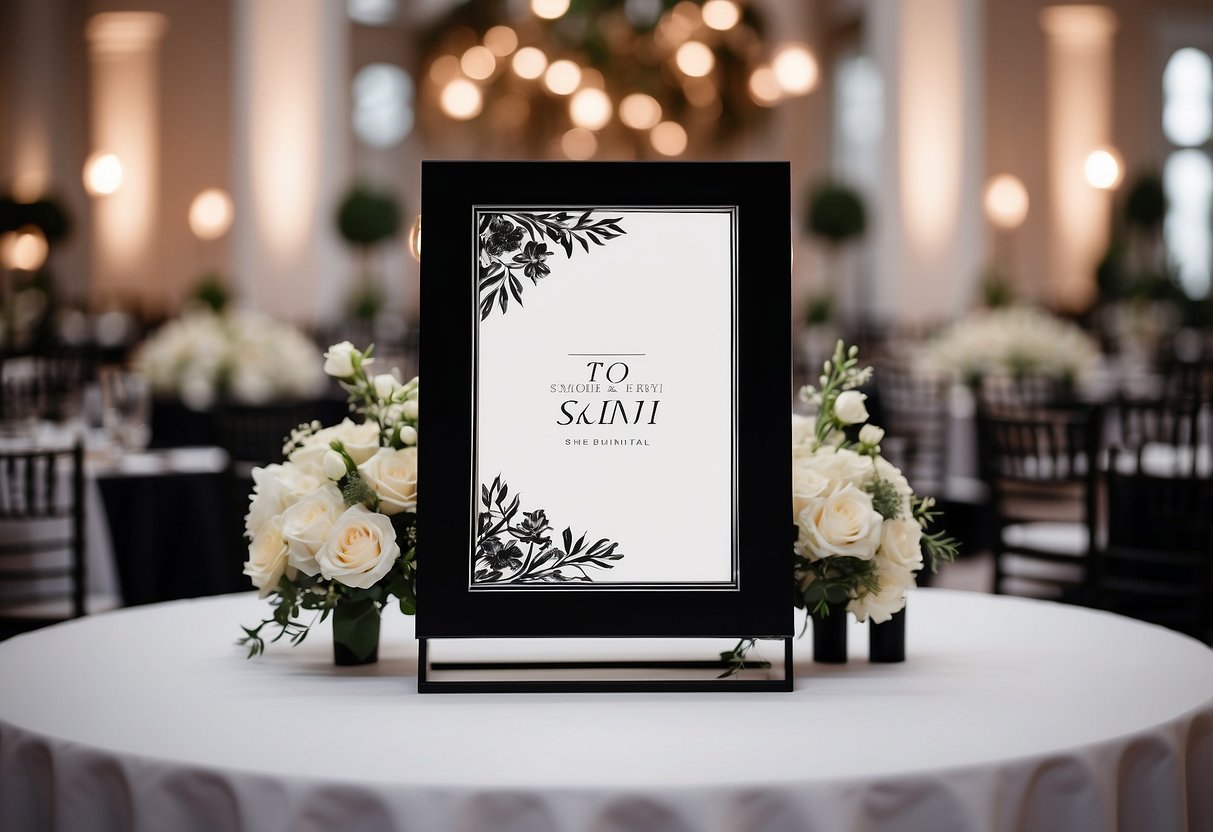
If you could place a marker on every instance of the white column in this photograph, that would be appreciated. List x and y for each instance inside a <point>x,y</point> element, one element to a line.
<point>928,232</point>
<point>290,156</point>
<point>124,70</point>
<point>1080,65</point>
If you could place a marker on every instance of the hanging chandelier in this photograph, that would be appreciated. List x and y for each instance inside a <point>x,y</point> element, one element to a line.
<point>625,79</point>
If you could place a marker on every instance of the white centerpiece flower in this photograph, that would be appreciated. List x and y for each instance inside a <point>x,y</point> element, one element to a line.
<point>360,549</point>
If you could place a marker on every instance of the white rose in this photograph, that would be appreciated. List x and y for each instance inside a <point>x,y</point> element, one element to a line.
<point>306,525</point>
<point>360,549</point>
<point>266,499</point>
<point>408,435</point>
<point>393,476</point>
<point>871,435</point>
<point>360,442</point>
<point>334,465</point>
<point>842,465</point>
<point>839,523</point>
<point>901,544</point>
<point>880,606</point>
<point>267,557</point>
<point>385,385</point>
<point>339,360</point>
<point>803,430</point>
<point>886,470</point>
<point>807,483</point>
<point>296,483</point>
<point>849,407</point>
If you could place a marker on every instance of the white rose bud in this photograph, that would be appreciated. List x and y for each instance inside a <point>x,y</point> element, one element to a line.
<point>339,360</point>
<point>385,385</point>
<point>334,465</point>
<point>408,435</point>
<point>849,407</point>
<point>871,435</point>
<point>360,549</point>
<point>409,409</point>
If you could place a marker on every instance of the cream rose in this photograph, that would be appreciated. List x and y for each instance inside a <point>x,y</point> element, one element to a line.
<point>901,544</point>
<point>839,523</point>
<point>360,549</point>
<point>803,430</point>
<point>393,476</point>
<point>267,557</point>
<point>359,440</point>
<point>880,606</point>
<point>339,360</point>
<point>871,435</point>
<point>807,484</point>
<point>306,526</point>
<point>849,407</point>
<point>266,500</point>
<point>842,465</point>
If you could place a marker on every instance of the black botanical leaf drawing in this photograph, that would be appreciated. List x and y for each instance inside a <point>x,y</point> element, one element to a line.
<point>505,258</point>
<point>517,547</point>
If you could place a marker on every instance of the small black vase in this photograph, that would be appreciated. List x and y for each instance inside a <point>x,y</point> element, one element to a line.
<point>355,634</point>
<point>830,635</point>
<point>887,641</point>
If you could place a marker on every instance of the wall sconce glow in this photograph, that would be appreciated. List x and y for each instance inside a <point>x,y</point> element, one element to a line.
<point>695,59</point>
<point>668,138</point>
<point>415,239</point>
<point>461,99</point>
<point>563,77</point>
<point>102,174</point>
<point>211,214</point>
<point>383,104</point>
<point>1006,201</point>
<point>590,108</point>
<point>549,9</point>
<point>530,63</point>
<point>640,111</point>
<point>24,249</point>
<point>795,69</point>
<point>1103,169</point>
<point>721,15</point>
<point>501,40</point>
<point>370,12</point>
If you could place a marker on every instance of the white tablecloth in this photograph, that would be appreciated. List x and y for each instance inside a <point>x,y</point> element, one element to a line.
<point>1009,714</point>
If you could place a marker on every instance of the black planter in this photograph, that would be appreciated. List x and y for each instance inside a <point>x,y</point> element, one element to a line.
<point>830,635</point>
<point>887,641</point>
<point>355,634</point>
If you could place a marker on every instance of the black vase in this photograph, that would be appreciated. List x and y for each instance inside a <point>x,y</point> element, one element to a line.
<point>887,641</point>
<point>830,635</point>
<point>355,634</point>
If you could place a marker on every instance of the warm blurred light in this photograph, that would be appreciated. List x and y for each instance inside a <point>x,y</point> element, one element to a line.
<point>549,9</point>
<point>687,14</point>
<point>795,69</point>
<point>102,174</point>
<point>578,143</point>
<point>530,62</point>
<point>700,91</point>
<point>501,40</point>
<point>1006,201</point>
<point>591,77</point>
<point>461,99</point>
<point>211,214</point>
<point>562,77</point>
<point>721,15</point>
<point>510,111</point>
<point>478,62</point>
<point>590,108</point>
<point>695,59</point>
<point>668,138</point>
<point>24,249</point>
<point>639,111</point>
<point>371,12</point>
<point>764,86</point>
<point>415,239</point>
<point>443,69</point>
<point>29,186</point>
<point>1103,169</point>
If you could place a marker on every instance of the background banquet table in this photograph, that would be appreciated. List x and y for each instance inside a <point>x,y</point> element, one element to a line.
<point>1010,714</point>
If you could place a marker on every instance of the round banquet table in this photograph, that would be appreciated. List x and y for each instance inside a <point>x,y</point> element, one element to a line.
<point>1009,714</point>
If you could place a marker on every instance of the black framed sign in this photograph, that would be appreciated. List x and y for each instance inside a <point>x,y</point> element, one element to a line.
<point>607,360</point>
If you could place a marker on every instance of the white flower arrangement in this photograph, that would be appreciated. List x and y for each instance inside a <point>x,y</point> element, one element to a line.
<point>861,531</point>
<point>1012,341</point>
<point>334,525</point>
<point>240,355</point>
